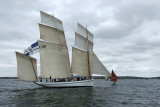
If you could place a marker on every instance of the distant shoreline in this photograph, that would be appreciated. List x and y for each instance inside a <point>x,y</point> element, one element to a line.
<point>127,77</point>
<point>8,78</point>
<point>102,77</point>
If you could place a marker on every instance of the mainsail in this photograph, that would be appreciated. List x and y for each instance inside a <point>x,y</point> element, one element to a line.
<point>26,67</point>
<point>54,60</point>
<point>54,57</point>
<point>80,62</point>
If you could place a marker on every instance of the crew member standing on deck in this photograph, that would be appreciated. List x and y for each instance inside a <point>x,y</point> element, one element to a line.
<point>50,78</point>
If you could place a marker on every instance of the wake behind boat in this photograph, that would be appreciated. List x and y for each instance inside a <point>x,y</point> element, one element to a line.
<point>54,57</point>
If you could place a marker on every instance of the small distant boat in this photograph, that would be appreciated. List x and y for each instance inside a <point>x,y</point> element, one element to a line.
<point>113,78</point>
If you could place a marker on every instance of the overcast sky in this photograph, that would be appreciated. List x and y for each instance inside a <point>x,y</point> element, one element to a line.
<point>126,32</point>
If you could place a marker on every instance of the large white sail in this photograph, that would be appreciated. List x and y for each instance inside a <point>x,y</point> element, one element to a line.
<point>80,62</point>
<point>52,35</point>
<point>84,32</point>
<point>98,67</point>
<point>54,60</point>
<point>51,21</point>
<point>81,42</point>
<point>26,67</point>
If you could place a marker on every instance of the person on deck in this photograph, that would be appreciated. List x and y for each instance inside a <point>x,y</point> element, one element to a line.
<point>50,78</point>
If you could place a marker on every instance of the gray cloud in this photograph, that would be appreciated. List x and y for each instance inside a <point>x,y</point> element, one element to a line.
<point>126,32</point>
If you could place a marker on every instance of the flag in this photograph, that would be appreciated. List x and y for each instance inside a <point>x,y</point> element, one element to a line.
<point>34,48</point>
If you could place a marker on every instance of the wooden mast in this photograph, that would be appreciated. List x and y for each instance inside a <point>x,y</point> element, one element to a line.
<point>88,56</point>
<point>33,69</point>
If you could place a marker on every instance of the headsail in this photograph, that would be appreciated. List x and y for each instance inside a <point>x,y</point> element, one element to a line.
<point>98,67</point>
<point>26,67</point>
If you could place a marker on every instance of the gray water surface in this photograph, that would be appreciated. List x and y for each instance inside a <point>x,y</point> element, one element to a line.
<point>128,93</point>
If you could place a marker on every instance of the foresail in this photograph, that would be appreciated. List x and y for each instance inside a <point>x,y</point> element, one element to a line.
<point>84,32</point>
<point>54,60</point>
<point>51,21</point>
<point>26,67</point>
<point>80,62</point>
<point>51,34</point>
<point>98,67</point>
<point>81,42</point>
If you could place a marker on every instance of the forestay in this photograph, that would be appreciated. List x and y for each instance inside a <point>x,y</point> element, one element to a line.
<point>98,67</point>
<point>51,34</point>
<point>51,21</point>
<point>84,32</point>
<point>54,60</point>
<point>80,62</point>
<point>26,67</point>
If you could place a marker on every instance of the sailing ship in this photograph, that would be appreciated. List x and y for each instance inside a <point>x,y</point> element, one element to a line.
<point>55,69</point>
<point>113,78</point>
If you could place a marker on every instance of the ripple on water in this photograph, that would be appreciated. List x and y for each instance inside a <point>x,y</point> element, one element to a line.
<point>128,93</point>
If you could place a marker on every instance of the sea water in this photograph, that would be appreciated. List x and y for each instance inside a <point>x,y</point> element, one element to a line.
<point>127,93</point>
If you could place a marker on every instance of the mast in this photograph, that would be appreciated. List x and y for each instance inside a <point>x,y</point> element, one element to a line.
<point>34,69</point>
<point>88,54</point>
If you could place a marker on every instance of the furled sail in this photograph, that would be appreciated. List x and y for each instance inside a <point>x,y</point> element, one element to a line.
<point>54,60</point>
<point>26,67</point>
<point>51,34</point>
<point>81,42</point>
<point>98,67</point>
<point>51,21</point>
<point>80,62</point>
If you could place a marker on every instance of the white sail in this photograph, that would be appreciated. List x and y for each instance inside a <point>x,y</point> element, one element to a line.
<point>80,62</point>
<point>54,60</point>
<point>98,67</point>
<point>51,21</point>
<point>84,32</point>
<point>52,35</point>
<point>81,42</point>
<point>26,67</point>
